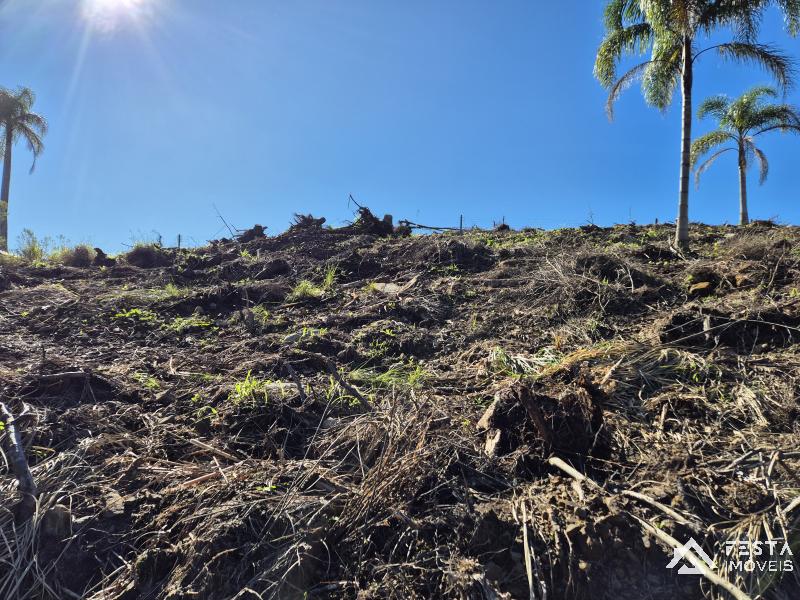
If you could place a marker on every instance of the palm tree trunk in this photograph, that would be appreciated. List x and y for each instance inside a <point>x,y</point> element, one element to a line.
<point>687,79</point>
<point>6,189</point>
<point>744,218</point>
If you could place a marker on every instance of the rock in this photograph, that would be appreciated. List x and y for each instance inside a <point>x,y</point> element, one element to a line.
<point>57,522</point>
<point>114,505</point>
<point>274,268</point>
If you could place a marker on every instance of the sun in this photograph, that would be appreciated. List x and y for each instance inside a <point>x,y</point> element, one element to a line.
<point>108,15</point>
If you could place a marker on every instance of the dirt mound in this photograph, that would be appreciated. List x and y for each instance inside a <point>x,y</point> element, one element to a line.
<point>350,413</point>
<point>147,257</point>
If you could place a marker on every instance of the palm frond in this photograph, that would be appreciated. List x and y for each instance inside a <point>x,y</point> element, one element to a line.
<point>763,55</point>
<point>761,158</point>
<point>635,39</point>
<point>618,12</point>
<point>622,84</point>
<point>774,116</point>
<point>791,15</point>
<point>743,17</point>
<point>716,106</point>
<point>710,161</point>
<point>704,144</point>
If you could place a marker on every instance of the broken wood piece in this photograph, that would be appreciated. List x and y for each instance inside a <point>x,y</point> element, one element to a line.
<point>673,514</point>
<point>697,562</point>
<point>535,414</point>
<point>572,471</point>
<point>348,388</point>
<point>213,450</point>
<point>19,464</point>
<point>296,379</point>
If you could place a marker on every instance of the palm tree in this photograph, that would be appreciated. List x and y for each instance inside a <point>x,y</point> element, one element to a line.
<point>670,30</point>
<point>17,121</point>
<point>740,122</point>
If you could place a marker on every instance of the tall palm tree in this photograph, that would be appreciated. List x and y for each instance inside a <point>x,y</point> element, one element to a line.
<point>17,121</point>
<point>670,31</point>
<point>741,121</point>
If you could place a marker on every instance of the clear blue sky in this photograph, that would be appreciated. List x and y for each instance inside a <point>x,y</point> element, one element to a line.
<point>160,109</point>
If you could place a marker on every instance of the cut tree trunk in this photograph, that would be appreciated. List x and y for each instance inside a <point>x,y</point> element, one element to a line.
<point>682,225</point>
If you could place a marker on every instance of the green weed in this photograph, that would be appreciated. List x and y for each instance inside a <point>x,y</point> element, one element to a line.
<point>136,314</point>
<point>193,322</point>
<point>305,290</point>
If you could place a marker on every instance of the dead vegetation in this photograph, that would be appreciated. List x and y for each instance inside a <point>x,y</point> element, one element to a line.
<point>354,414</point>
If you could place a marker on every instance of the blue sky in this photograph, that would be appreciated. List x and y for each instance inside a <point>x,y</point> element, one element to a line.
<point>161,109</point>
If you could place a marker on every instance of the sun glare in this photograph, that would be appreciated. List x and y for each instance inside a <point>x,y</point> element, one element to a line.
<point>108,15</point>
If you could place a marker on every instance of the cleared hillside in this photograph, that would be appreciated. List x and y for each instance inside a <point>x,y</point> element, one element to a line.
<point>335,414</point>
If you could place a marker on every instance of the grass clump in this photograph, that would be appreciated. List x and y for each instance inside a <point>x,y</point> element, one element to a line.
<point>173,291</point>
<point>78,256</point>
<point>261,315</point>
<point>141,315</point>
<point>404,376</point>
<point>305,290</point>
<point>501,362</point>
<point>191,323</point>
<point>331,274</point>
<point>150,383</point>
<point>252,390</point>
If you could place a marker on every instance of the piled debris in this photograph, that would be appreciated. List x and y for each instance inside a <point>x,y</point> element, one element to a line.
<point>351,414</point>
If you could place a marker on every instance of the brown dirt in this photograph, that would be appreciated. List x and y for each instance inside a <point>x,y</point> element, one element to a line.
<point>190,442</point>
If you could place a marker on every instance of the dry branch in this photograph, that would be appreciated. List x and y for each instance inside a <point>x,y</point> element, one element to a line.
<point>16,453</point>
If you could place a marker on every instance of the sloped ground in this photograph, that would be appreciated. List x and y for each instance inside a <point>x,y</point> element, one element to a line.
<point>327,414</point>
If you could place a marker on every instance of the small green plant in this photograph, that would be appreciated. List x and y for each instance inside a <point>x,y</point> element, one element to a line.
<point>141,315</point>
<point>410,375</point>
<point>249,390</point>
<point>378,348</point>
<point>148,382</point>
<point>247,256</point>
<point>173,291</point>
<point>261,315</point>
<point>306,334</point>
<point>29,247</point>
<point>304,290</point>
<point>190,323</point>
<point>331,274</point>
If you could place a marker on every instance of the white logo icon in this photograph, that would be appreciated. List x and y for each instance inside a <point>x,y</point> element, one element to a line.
<point>693,553</point>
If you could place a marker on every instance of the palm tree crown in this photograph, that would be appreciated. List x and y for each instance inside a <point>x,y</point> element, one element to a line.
<point>17,121</point>
<point>741,121</point>
<point>17,117</point>
<point>669,31</point>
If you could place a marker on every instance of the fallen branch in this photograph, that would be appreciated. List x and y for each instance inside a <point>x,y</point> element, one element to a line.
<point>692,558</point>
<point>213,450</point>
<point>347,387</point>
<point>19,464</point>
<point>660,534</point>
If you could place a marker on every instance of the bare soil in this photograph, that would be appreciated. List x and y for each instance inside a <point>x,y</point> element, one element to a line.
<point>339,414</point>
